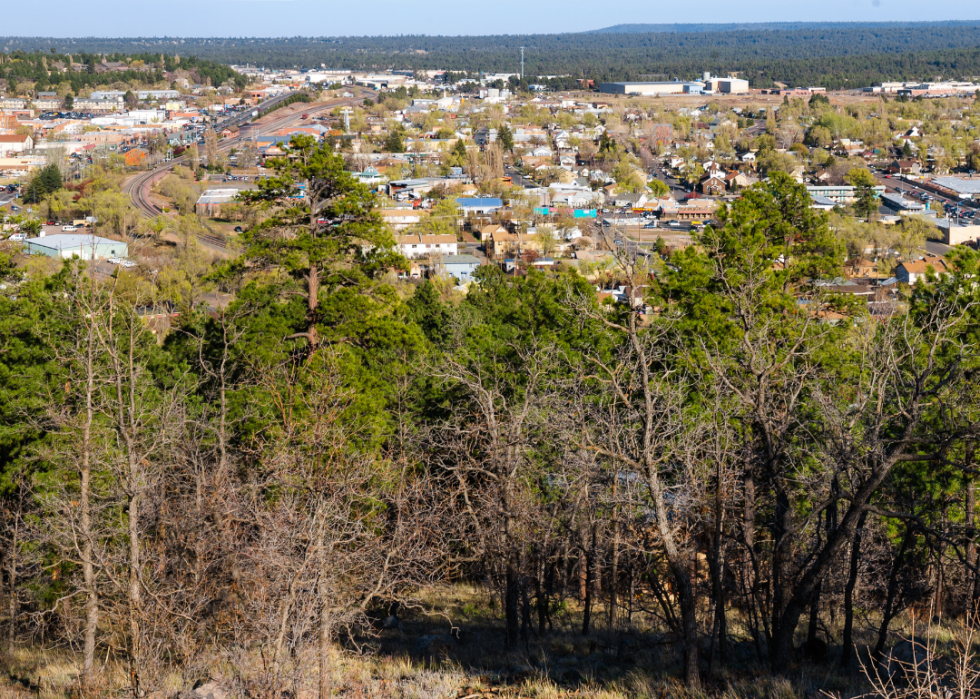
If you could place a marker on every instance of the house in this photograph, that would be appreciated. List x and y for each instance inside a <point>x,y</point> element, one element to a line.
<point>486,232</point>
<point>479,205</point>
<point>462,267</point>
<point>905,167</point>
<point>502,243</point>
<point>712,185</point>
<point>11,144</point>
<point>748,157</point>
<point>636,201</point>
<point>83,246</point>
<point>136,157</point>
<point>400,219</point>
<point>911,272</point>
<point>861,268</point>
<point>737,180</point>
<point>418,245</point>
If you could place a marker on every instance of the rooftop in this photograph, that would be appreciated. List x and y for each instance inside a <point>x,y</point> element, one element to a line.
<point>63,241</point>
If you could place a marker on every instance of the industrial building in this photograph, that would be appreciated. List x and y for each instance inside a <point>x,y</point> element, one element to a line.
<point>727,86</point>
<point>963,188</point>
<point>653,89</point>
<point>84,246</point>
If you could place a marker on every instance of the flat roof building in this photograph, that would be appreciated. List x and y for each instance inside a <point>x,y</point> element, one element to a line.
<point>674,87</point>
<point>84,246</point>
<point>964,189</point>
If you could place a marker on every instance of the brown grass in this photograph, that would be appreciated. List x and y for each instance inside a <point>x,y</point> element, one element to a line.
<point>637,664</point>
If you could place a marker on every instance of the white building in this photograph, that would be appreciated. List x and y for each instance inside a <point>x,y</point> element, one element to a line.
<point>424,245</point>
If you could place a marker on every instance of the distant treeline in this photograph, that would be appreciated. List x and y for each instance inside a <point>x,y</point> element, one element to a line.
<point>834,56</point>
<point>49,69</point>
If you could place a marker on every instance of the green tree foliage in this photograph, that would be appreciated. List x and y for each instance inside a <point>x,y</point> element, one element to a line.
<point>321,228</point>
<point>863,181</point>
<point>45,182</point>
<point>506,137</point>
<point>393,142</point>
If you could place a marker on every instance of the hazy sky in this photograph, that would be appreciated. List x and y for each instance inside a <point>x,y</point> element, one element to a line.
<point>387,17</point>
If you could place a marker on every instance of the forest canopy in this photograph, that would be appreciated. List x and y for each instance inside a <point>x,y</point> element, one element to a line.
<point>830,55</point>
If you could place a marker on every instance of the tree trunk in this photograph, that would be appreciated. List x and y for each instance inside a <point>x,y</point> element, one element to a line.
<point>323,630</point>
<point>614,566</point>
<point>847,652</point>
<point>588,553</point>
<point>889,612</point>
<point>313,302</point>
<point>971,550</point>
<point>12,602</point>
<point>87,535</point>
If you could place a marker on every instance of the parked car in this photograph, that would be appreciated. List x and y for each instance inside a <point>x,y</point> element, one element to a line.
<point>18,238</point>
<point>69,229</point>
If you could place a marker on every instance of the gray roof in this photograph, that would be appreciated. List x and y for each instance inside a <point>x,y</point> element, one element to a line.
<point>960,186</point>
<point>460,260</point>
<point>67,241</point>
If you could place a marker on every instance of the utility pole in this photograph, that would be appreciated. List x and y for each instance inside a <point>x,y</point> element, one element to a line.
<point>522,63</point>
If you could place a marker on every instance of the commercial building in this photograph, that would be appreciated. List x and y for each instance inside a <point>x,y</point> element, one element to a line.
<point>211,201</point>
<point>653,89</point>
<point>728,86</point>
<point>842,194</point>
<point>962,188</point>
<point>84,246</point>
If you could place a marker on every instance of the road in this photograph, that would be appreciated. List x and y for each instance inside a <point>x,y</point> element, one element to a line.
<point>138,187</point>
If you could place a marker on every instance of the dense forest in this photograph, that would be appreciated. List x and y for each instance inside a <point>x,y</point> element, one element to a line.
<point>78,70</point>
<point>832,55</point>
<point>733,473</point>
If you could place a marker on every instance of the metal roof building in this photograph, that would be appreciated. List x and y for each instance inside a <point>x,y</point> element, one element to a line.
<point>650,89</point>
<point>85,246</point>
<point>965,189</point>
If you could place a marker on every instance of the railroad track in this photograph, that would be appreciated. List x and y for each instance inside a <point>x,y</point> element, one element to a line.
<point>137,188</point>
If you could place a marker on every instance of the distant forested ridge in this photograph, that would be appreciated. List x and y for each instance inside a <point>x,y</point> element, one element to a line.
<point>78,69</point>
<point>832,55</point>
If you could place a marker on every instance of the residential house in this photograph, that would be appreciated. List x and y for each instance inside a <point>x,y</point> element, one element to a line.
<point>630,199</point>
<point>400,219</point>
<point>462,267</point>
<point>737,180</point>
<point>486,232</point>
<point>911,272</point>
<point>905,167</point>
<point>12,144</point>
<point>414,246</point>
<point>861,268</point>
<point>479,205</point>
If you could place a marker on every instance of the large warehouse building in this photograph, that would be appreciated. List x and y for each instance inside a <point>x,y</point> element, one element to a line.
<point>727,86</point>
<point>84,246</point>
<point>653,89</point>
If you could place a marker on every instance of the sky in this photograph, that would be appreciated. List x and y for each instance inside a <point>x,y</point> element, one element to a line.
<point>114,18</point>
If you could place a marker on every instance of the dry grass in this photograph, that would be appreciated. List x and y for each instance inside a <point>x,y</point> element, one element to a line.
<point>560,665</point>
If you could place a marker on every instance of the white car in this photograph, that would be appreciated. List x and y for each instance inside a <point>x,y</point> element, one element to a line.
<point>674,224</point>
<point>69,228</point>
<point>18,238</point>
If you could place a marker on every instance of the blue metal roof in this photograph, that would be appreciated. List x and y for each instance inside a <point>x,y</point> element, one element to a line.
<point>481,202</point>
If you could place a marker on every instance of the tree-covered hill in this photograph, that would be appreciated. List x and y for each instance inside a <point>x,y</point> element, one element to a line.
<point>49,69</point>
<point>832,55</point>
